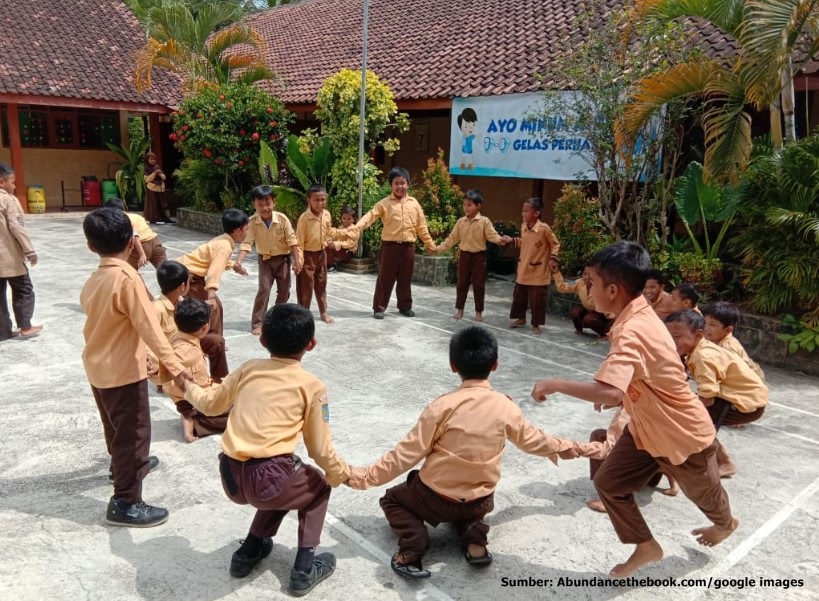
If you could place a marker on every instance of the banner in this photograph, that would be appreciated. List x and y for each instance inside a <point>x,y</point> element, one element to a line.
<point>511,136</point>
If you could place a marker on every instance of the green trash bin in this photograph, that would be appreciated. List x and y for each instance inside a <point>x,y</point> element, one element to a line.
<point>109,189</point>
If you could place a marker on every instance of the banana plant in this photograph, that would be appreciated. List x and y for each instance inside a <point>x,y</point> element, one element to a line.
<point>130,178</point>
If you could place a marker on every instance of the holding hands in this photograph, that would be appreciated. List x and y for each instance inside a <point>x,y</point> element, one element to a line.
<point>237,267</point>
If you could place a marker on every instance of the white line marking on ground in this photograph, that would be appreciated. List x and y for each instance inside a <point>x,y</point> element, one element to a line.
<point>507,349</point>
<point>803,438</point>
<point>761,533</point>
<point>430,590</point>
<point>793,409</point>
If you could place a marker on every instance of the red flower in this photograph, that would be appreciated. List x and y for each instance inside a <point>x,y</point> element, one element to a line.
<point>185,128</point>
<point>172,137</point>
<point>207,153</point>
<point>269,110</point>
<point>274,123</point>
<point>221,96</point>
<point>255,136</point>
<point>241,163</point>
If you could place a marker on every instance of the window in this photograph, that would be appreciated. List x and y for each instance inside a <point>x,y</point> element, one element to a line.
<point>52,127</point>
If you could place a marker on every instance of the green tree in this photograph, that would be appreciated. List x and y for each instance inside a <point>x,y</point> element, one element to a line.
<point>577,226</point>
<point>200,48</point>
<point>338,111</point>
<point>600,71</point>
<point>768,32</point>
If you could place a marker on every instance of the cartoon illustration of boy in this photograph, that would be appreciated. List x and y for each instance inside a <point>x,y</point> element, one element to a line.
<point>467,123</point>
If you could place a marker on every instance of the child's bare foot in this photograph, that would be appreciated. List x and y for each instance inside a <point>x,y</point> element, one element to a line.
<point>736,426</point>
<point>187,429</point>
<point>30,332</point>
<point>256,330</point>
<point>644,554</point>
<point>459,313</point>
<point>536,330</point>
<point>596,505</point>
<point>325,317</point>
<point>726,470</point>
<point>518,323</point>
<point>478,316</point>
<point>476,550</point>
<point>672,490</point>
<point>712,536</point>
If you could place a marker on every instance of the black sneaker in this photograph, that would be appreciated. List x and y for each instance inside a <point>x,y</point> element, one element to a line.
<point>408,313</point>
<point>378,315</point>
<point>302,583</point>
<point>153,462</point>
<point>134,515</point>
<point>241,565</point>
<point>332,269</point>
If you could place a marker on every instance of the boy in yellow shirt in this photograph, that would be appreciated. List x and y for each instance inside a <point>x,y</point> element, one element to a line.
<point>721,317</point>
<point>273,403</point>
<point>460,437</point>
<point>731,391</point>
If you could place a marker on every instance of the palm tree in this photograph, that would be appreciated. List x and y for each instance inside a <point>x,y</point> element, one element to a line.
<point>199,48</point>
<point>768,32</point>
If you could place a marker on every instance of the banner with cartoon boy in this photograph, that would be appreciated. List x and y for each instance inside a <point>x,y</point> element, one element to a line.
<point>510,136</point>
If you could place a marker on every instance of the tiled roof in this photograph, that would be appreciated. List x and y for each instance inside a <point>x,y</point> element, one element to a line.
<point>75,49</point>
<point>423,48</point>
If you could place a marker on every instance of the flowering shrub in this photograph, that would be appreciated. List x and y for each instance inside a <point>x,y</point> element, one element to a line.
<point>220,129</point>
<point>578,228</point>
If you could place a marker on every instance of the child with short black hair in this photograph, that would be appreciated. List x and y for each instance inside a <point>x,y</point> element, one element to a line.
<point>276,250</point>
<point>685,296</point>
<point>120,323</point>
<point>15,250</point>
<point>147,247</point>
<point>315,233</point>
<point>192,317</point>
<point>273,403</point>
<point>585,315</point>
<point>721,317</point>
<point>342,250</point>
<point>669,428</point>
<point>209,261</point>
<point>656,295</point>
<point>731,391</point>
<point>461,437</point>
<point>539,248</point>
<point>471,233</point>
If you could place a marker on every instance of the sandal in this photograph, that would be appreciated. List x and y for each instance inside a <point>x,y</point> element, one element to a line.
<point>478,562</point>
<point>411,571</point>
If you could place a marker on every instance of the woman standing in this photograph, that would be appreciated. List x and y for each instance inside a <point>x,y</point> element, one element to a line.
<point>155,207</point>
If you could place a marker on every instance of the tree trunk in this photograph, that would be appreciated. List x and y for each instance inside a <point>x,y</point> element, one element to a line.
<point>787,96</point>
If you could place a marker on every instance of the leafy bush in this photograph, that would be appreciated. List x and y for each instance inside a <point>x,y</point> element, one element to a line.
<point>218,132</point>
<point>578,228</point>
<point>440,197</point>
<point>778,241</point>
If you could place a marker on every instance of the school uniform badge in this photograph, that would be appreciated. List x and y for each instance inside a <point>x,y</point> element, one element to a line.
<point>325,408</point>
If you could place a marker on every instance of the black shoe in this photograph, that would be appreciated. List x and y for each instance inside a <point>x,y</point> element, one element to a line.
<point>408,313</point>
<point>134,515</point>
<point>169,220</point>
<point>378,315</point>
<point>302,583</point>
<point>332,269</point>
<point>478,562</point>
<point>153,462</point>
<point>411,571</point>
<point>241,565</point>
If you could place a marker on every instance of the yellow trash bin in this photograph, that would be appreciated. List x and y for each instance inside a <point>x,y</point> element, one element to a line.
<point>35,195</point>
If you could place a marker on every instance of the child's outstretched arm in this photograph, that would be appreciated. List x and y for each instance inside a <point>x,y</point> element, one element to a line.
<point>595,391</point>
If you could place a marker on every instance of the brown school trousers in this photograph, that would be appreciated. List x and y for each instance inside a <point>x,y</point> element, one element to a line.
<point>471,270</point>
<point>275,269</point>
<point>532,297</point>
<point>154,252</point>
<point>724,413</point>
<point>274,486</point>
<point>203,425</point>
<point>338,256</point>
<point>213,345</point>
<point>593,320</point>
<point>313,276</point>
<point>407,506</point>
<point>600,435</point>
<point>628,469</point>
<point>22,303</point>
<point>395,267</point>
<point>197,290</point>
<point>126,422</point>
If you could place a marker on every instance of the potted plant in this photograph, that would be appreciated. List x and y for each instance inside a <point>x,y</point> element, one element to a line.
<point>130,177</point>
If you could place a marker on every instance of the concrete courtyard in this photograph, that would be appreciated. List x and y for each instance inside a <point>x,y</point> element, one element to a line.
<point>54,489</point>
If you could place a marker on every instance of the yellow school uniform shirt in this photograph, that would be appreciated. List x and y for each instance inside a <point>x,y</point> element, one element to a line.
<point>313,232</point>
<point>663,305</point>
<point>667,418</point>
<point>721,373</point>
<point>270,241</point>
<point>141,228</point>
<point>188,351</point>
<point>471,235</point>
<point>578,287</point>
<point>121,321</point>
<point>210,260</point>
<point>461,437</point>
<point>351,242</point>
<point>735,346</point>
<point>403,221</point>
<point>164,309</point>
<point>273,403</point>
<point>15,245</point>
<point>537,245</point>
